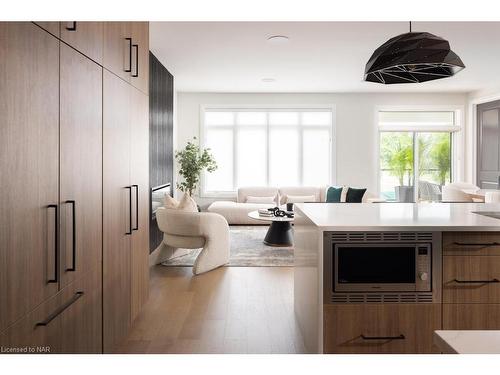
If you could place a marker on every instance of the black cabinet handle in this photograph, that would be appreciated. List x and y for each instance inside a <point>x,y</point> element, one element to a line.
<point>129,209</point>
<point>400,337</point>
<point>52,316</point>
<point>129,55</point>
<point>477,281</point>
<point>72,27</point>
<point>136,207</point>
<point>55,279</point>
<point>136,46</point>
<point>73,264</point>
<point>486,244</point>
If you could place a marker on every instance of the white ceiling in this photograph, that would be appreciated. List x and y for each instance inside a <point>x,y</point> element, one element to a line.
<point>319,56</point>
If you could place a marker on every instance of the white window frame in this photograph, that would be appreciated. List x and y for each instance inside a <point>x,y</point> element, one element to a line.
<point>457,135</point>
<point>265,108</point>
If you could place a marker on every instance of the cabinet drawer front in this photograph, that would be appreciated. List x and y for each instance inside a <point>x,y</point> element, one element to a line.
<point>69,322</point>
<point>471,316</point>
<point>471,279</point>
<point>471,243</point>
<point>389,328</point>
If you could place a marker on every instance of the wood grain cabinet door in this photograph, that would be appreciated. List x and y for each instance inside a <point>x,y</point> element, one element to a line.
<point>387,328</point>
<point>471,279</point>
<point>118,49</point>
<point>140,56</point>
<point>471,243</point>
<point>80,165</point>
<point>50,26</point>
<point>29,159</point>
<point>117,209</point>
<point>86,37</point>
<point>141,216</point>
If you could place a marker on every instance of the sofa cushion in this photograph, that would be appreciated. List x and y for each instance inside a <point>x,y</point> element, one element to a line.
<point>285,191</point>
<point>267,200</point>
<point>169,202</point>
<point>300,198</point>
<point>334,194</point>
<point>257,191</point>
<point>187,204</point>
<point>355,195</point>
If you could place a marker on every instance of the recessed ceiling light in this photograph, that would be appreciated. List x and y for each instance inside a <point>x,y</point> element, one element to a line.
<point>278,39</point>
<point>268,80</point>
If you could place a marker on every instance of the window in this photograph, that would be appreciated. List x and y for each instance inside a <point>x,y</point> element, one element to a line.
<point>267,147</point>
<point>415,151</point>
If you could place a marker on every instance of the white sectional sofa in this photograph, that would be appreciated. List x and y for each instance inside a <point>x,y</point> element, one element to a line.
<point>252,198</point>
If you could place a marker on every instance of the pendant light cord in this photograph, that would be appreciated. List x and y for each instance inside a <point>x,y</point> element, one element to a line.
<point>410,26</point>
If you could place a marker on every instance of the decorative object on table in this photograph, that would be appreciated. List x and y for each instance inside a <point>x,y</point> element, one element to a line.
<point>412,57</point>
<point>289,207</point>
<point>192,162</point>
<point>265,212</point>
<point>277,212</point>
<point>355,195</point>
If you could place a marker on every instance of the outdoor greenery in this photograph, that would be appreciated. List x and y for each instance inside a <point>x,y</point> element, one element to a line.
<point>192,162</point>
<point>396,151</point>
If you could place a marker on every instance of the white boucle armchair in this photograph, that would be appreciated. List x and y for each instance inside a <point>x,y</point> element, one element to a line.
<point>194,230</point>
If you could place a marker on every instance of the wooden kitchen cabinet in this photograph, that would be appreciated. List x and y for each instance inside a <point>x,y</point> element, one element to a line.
<point>117,210</point>
<point>140,182</point>
<point>117,56</point>
<point>471,279</point>
<point>50,26</point>
<point>471,243</point>
<point>140,56</point>
<point>80,165</point>
<point>380,328</point>
<point>29,168</point>
<point>86,37</point>
<point>69,322</point>
<point>478,316</point>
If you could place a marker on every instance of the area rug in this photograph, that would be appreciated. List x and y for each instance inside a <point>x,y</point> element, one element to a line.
<point>247,250</point>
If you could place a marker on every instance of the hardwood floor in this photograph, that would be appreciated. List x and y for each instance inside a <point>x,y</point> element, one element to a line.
<point>228,310</point>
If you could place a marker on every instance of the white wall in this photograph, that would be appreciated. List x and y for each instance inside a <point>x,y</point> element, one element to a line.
<point>356,130</point>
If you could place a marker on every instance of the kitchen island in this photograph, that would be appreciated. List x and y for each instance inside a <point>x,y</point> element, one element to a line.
<point>394,303</point>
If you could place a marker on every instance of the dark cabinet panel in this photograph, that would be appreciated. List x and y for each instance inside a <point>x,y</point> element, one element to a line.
<point>488,148</point>
<point>80,165</point>
<point>29,144</point>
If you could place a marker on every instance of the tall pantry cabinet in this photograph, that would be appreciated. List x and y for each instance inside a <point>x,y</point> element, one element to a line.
<point>60,159</point>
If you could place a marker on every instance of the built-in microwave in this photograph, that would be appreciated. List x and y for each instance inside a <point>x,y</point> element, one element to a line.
<point>381,266</point>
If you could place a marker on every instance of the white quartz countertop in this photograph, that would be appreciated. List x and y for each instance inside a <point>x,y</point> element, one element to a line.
<point>399,216</point>
<point>468,342</point>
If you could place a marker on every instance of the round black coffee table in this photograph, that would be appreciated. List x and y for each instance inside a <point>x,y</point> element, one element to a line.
<point>280,232</point>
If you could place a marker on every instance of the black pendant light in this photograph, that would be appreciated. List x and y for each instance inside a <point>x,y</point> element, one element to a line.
<point>412,58</point>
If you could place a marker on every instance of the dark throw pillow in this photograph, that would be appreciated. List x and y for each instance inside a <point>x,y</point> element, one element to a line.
<point>355,195</point>
<point>333,194</point>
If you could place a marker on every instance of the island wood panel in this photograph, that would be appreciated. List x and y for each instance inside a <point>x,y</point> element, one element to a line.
<point>471,243</point>
<point>80,164</point>
<point>29,112</point>
<point>75,327</point>
<point>50,26</point>
<point>476,316</point>
<point>117,207</point>
<point>344,326</point>
<point>140,56</point>
<point>472,269</point>
<point>139,172</point>
<point>86,37</point>
<point>117,54</point>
